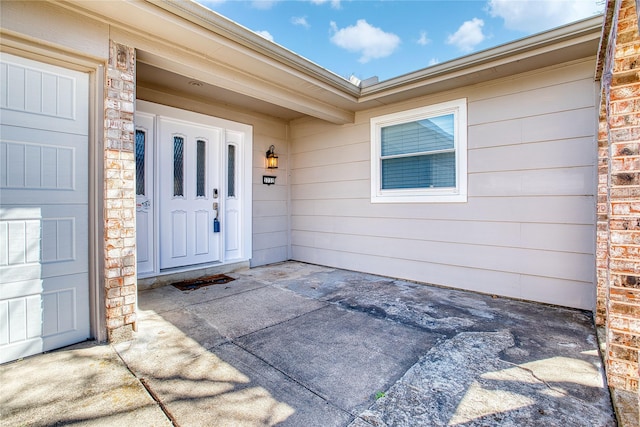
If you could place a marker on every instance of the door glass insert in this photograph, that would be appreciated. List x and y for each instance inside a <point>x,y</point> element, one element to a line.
<point>201,165</point>
<point>231,171</point>
<point>178,166</point>
<point>140,156</point>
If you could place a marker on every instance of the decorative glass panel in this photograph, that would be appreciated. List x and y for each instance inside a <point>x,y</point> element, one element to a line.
<point>201,164</point>
<point>178,166</point>
<point>231,171</point>
<point>140,152</point>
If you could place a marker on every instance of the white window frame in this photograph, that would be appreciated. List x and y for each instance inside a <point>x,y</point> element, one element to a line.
<point>457,194</point>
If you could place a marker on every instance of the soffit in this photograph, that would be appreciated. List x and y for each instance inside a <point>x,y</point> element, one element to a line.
<point>151,77</point>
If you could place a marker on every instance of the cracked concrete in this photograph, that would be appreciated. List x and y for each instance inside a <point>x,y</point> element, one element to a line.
<point>296,344</point>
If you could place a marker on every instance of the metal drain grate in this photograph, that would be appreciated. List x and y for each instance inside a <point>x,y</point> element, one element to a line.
<point>193,284</point>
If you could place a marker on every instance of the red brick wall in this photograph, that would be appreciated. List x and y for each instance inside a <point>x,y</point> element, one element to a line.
<point>119,197</point>
<point>618,234</point>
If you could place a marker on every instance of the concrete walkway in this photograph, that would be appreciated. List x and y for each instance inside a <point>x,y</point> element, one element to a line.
<point>300,345</point>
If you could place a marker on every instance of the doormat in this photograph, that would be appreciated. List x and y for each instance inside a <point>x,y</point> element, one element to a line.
<point>193,284</point>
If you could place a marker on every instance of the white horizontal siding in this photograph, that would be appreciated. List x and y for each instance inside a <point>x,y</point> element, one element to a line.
<point>563,238</point>
<point>546,127</point>
<point>536,102</point>
<point>555,210</point>
<point>533,155</point>
<point>577,181</point>
<point>552,264</point>
<point>527,230</point>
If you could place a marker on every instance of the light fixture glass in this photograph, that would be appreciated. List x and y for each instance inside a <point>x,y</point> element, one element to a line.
<point>272,159</point>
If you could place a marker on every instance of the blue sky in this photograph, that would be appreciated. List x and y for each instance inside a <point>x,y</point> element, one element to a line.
<point>389,38</point>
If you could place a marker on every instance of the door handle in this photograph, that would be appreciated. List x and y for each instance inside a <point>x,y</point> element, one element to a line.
<point>143,206</point>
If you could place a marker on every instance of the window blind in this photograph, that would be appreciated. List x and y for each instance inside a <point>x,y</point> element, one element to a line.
<point>413,157</point>
<point>424,171</point>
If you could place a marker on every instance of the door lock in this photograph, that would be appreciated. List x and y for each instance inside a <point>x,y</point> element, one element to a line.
<point>216,221</point>
<point>215,193</point>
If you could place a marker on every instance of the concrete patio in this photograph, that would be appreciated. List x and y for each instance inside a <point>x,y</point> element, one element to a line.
<point>302,345</point>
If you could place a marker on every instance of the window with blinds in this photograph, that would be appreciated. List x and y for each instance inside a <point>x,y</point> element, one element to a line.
<point>420,155</point>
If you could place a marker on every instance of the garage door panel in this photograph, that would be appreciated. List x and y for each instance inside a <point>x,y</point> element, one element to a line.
<point>43,242</point>
<point>32,171</point>
<point>58,313</point>
<point>13,290</point>
<point>65,310</point>
<point>41,315</point>
<point>44,97</point>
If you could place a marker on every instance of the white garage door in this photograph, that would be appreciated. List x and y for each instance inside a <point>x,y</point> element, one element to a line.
<point>44,284</point>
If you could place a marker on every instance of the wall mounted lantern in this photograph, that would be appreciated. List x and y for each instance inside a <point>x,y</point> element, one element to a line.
<point>272,159</point>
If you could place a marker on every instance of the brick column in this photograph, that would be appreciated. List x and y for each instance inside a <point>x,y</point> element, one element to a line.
<point>602,218</point>
<point>619,214</point>
<point>119,197</point>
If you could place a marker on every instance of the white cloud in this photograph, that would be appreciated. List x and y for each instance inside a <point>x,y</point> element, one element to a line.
<point>370,41</point>
<point>334,3</point>
<point>263,4</point>
<point>433,61</point>
<point>468,36</point>
<point>300,20</point>
<point>266,34</point>
<point>423,40</point>
<point>537,15</point>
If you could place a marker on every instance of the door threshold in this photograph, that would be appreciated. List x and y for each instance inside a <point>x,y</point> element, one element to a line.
<point>171,275</point>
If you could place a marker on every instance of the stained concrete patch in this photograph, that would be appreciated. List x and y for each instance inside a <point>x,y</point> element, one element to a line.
<point>405,302</point>
<point>86,384</point>
<point>464,382</point>
<point>343,356</point>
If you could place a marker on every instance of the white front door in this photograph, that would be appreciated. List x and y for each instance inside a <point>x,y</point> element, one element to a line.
<point>189,193</point>
<point>44,281</point>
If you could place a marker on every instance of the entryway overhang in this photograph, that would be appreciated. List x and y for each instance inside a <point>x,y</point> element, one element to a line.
<point>186,39</point>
